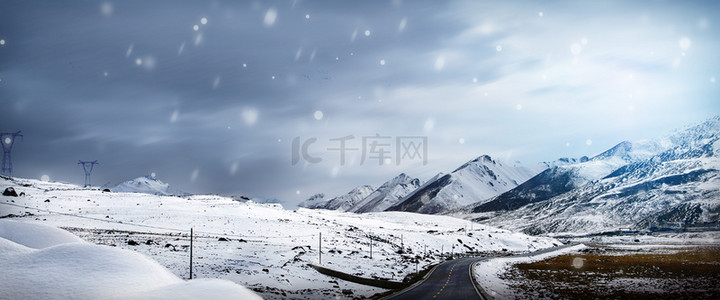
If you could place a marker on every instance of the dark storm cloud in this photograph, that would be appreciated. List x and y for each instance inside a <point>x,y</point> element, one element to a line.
<point>214,110</point>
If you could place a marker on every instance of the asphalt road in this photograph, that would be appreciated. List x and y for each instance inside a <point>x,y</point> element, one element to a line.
<point>450,280</point>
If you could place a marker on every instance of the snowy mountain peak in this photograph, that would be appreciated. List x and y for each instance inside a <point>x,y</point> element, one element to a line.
<point>480,160</point>
<point>388,194</point>
<point>342,203</point>
<point>473,182</point>
<point>143,184</point>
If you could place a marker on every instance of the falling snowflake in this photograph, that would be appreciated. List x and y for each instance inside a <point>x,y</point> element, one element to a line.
<point>45,178</point>
<point>250,116</point>
<point>203,20</point>
<point>2,42</point>
<point>578,262</point>
<point>8,140</point>
<point>174,116</point>
<point>712,79</point>
<point>297,192</point>
<point>439,63</point>
<point>152,175</point>
<point>244,65</point>
<point>129,50</point>
<point>540,14</point>
<point>382,62</point>
<point>588,142</point>
<point>105,74</point>
<point>474,80</point>
<point>138,61</point>
<point>216,82</point>
<point>498,48</point>
<point>272,77</point>
<point>367,32</point>
<point>196,27</point>
<point>519,107</point>
<point>307,16</point>
<point>270,17</point>
<point>684,43</point>
<point>194,175</point>
<point>461,141</point>
<point>318,115</point>
<point>429,124</point>
<point>234,168</point>
<point>106,9</point>
<point>402,25</point>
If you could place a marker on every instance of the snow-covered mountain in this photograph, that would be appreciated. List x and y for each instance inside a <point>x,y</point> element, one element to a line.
<point>146,185</point>
<point>670,182</point>
<point>341,203</point>
<point>473,182</point>
<point>388,194</point>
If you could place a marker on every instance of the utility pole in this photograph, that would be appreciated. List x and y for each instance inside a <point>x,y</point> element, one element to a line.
<point>191,250</point>
<point>88,168</point>
<point>370,246</point>
<point>320,249</point>
<point>7,139</point>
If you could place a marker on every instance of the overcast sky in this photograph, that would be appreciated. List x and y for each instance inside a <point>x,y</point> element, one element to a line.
<point>211,95</point>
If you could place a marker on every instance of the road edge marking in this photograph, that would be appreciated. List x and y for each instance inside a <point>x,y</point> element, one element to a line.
<point>419,282</point>
<point>480,291</point>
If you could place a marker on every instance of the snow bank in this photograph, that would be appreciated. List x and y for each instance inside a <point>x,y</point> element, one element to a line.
<point>488,272</point>
<point>43,262</point>
<point>36,236</point>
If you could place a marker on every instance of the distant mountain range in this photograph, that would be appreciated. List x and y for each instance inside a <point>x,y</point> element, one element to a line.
<point>146,185</point>
<point>669,182</point>
<point>473,182</point>
<point>365,198</point>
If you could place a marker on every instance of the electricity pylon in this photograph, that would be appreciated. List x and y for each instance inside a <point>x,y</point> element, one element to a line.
<point>7,139</point>
<point>87,167</point>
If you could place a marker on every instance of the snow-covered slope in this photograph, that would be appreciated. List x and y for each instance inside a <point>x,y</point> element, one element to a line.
<point>261,246</point>
<point>671,182</point>
<point>341,203</point>
<point>473,182</point>
<point>144,184</point>
<point>388,194</point>
<point>43,262</point>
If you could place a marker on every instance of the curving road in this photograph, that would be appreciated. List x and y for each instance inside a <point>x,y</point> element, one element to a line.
<point>453,279</point>
<point>450,280</point>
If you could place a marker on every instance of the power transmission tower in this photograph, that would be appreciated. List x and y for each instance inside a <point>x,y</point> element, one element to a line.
<point>87,167</point>
<point>7,139</point>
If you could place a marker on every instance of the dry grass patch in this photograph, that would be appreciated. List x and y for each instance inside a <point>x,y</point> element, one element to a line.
<point>678,274</point>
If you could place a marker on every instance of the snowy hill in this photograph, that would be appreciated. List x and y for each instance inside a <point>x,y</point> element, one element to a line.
<point>146,185</point>
<point>388,194</point>
<point>43,262</point>
<point>473,182</point>
<point>670,182</point>
<point>341,203</point>
<point>260,246</point>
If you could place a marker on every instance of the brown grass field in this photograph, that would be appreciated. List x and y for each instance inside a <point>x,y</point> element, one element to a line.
<point>602,273</point>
